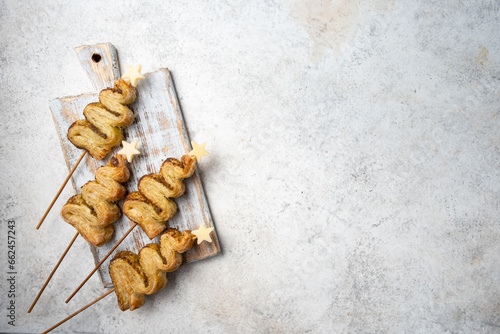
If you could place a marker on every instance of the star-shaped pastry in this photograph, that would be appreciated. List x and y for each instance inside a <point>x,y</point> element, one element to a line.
<point>133,74</point>
<point>129,150</point>
<point>198,151</point>
<point>203,233</point>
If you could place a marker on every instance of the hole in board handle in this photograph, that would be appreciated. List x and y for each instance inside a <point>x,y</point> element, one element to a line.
<point>96,57</point>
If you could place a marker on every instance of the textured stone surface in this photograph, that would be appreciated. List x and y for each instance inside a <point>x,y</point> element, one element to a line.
<point>354,179</point>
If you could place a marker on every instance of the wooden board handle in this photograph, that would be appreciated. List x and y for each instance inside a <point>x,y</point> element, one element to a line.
<point>100,62</point>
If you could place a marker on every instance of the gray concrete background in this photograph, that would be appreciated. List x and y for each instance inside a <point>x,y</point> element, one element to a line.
<point>354,179</point>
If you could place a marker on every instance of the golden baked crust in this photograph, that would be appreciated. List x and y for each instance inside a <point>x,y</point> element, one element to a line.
<point>94,211</point>
<point>151,206</point>
<point>101,130</point>
<point>137,275</point>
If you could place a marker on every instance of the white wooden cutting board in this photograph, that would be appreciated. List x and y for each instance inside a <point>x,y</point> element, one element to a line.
<point>160,129</point>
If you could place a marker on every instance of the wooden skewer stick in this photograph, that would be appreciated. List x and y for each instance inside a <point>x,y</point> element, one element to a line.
<point>80,310</point>
<point>53,271</point>
<point>102,261</point>
<point>61,189</point>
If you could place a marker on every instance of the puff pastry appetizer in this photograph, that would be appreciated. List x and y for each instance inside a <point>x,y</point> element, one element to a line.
<point>94,211</point>
<point>152,206</point>
<point>135,276</point>
<point>101,130</point>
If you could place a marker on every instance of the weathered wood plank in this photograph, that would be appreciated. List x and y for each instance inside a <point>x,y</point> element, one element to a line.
<point>160,129</point>
<point>100,62</point>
